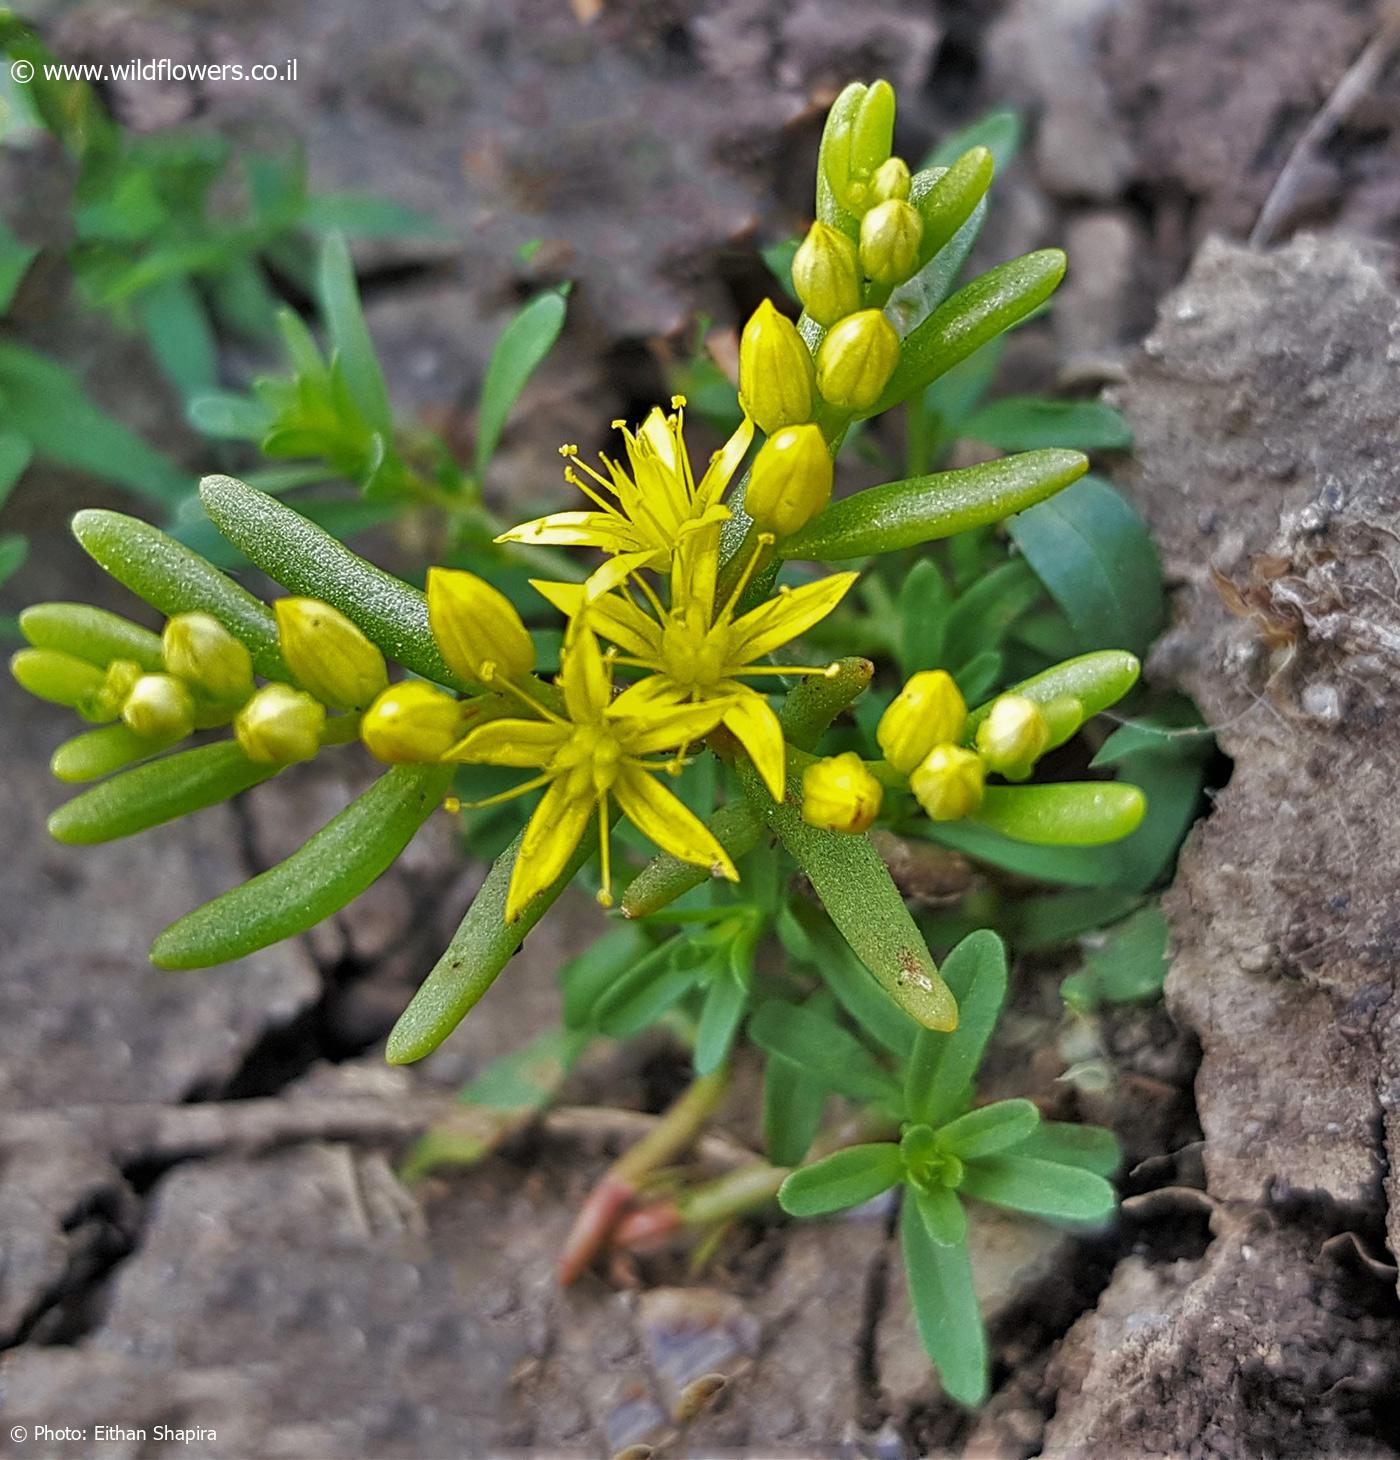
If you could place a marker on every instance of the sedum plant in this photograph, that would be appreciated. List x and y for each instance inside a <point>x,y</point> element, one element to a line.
<point>679,739</point>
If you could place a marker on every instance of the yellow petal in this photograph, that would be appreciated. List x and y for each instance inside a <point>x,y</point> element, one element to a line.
<point>669,822</point>
<point>754,725</point>
<point>549,841</point>
<point>661,728</point>
<point>786,617</point>
<point>510,743</point>
<point>615,617</point>
<point>605,530</point>
<point>585,680</point>
<point>617,569</point>
<point>723,465</point>
<point>695,566</point>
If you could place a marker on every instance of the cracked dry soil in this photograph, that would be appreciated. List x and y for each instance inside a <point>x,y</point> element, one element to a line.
<point>200,1223</point>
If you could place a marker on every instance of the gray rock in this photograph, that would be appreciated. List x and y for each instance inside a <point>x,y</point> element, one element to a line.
<point>1264,412</point>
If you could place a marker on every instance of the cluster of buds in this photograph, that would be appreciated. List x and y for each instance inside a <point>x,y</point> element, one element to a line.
<point>929,744</point>
<point>841,360</point>
<point>149,691</point>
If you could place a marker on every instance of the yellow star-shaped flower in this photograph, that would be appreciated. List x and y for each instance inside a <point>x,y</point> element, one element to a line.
<point>642,507</point>
<point>700,653</point>
<point>596,751</point>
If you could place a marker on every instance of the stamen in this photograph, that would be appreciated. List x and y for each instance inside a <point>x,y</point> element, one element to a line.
<point>605,897</point>
<point>523,789</point>
<point>496,681</point>
<point>574,480</point>
<point>452,805</point>
<point>650,593</point>
<point>827,671</point>
<point>763,541</point>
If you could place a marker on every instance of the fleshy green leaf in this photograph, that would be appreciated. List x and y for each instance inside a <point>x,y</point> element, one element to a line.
<point>845,1179</point>
<point>304,559</point>
<point>1066,814</point>
<point>979,311</point>
<point>525,341</point>
<point>92,633</point>
<point>989,1129</point>
<point>823,1049</point>
<point>479,950</point>
<point>1129,964</point>
<point>1096,557</point>
<point>157,792</point>
<point>855,887</point>
<point>904,514</point>
<point>1096,680</point>
<point>97,753</point>
<point>330,869</point>
<point>228,417</point>
<point>857,993</point>
<point>942,1067</point>
<point>585,978</point>
<point>1042,1188</point>
<point>946,1309</point>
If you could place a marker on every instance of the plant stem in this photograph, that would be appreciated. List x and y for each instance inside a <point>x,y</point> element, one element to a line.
<point>605,1204</point>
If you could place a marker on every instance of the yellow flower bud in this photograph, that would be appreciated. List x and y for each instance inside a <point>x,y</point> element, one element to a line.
<point>1013,736</point>
<point>412,722</point>
<point>948,783</point>
<point>775,371</point>
<point>891,180</point>
<point>159,707</point>
<point>856,360</point>
<point>477,628</point>
<point>839,794</point>
<point>107,700</point>
<point>890,234</point>
<point>826,274</point>
<point>328,654</point>
<point>197,648</point>
<point>928,711</point>
<point>791,480</point>
<point>280,725</point>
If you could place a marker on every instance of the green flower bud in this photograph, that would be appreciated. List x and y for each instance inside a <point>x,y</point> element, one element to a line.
<point>412,722</point>
<point>948,783</point>
<point>280,725</point>
<point>791,480</point>
<point>50,674</point>
<point>826,274</point>
<point>928,711</point>
<point>890,234</point>
<point>199,649</point>
<point>160,707</point>
<point>328,654</point>
<point>477,628</point>
<point>856,360</point>
<point>107,701</point>
<point>840,794</point>
<point>1014,736</point>
<point>775,371</point>
<point>891,180</point>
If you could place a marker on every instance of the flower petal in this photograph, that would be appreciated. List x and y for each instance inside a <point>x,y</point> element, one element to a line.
<point>549,841</point>
<point>723,464</point>
<point>617,569</point>
<point>607,530</point>
<point>669,822</point>
<point>615,617</point>
<point>584,678</point>
<point>756,727</point>
<point>510,743</point>
<point>661,727</point>
<point>695,566</point>
<point>785,617</point>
